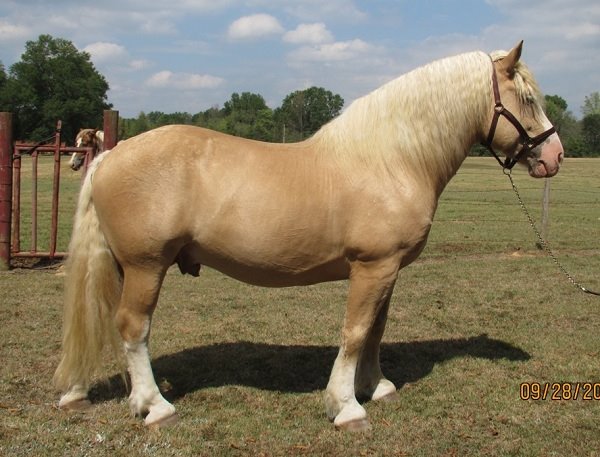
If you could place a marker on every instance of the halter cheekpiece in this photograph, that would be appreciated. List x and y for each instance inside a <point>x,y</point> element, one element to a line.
<point>527,143</point>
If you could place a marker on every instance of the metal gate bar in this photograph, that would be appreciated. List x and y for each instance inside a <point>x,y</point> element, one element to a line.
<point>11,181</point>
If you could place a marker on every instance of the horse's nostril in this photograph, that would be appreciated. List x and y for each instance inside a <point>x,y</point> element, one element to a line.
<point>561,156</point>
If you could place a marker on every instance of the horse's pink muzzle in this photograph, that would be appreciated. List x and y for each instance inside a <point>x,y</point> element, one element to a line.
<point>548,163</point>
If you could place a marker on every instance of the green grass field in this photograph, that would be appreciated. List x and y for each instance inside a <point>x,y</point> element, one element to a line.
<point>480,321</point>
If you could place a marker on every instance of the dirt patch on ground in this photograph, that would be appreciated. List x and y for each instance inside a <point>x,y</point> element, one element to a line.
<point>36,263</point>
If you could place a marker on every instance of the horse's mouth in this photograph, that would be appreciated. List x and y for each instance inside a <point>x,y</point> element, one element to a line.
<point>541,169</point>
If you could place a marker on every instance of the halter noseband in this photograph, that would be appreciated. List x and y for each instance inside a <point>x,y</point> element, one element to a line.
<point>527,143</point>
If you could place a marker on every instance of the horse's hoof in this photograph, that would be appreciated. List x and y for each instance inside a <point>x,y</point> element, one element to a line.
<point>83,404</point>
<point>386,391</point>
<point>356,425</point>
<point>164,421</point>
<point>391,397</point>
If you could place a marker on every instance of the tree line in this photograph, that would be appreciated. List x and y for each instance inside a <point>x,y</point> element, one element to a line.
<point>54,80</point>
<point>301,114</point>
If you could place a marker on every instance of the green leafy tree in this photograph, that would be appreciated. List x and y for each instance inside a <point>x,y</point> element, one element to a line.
<point>590,125</point>
<point>247,103</point>
<point>591,133</point>
<point>129,127</point>
<point>247,115</point>
<point>566,125</point>
<point>264,126</point>
<point>152,120</point>
<point>213,118</point>
<point>303,112</point>
<point>3,76</point>
<point>556,109</point>
<point>591,104</point>
<point>53,81</point>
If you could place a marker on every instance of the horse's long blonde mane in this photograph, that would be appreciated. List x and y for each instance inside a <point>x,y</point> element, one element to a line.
<point>424,121</point>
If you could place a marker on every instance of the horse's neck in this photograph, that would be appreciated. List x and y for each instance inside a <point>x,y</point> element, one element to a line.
<point>416,129</point>
<point>435,115</point>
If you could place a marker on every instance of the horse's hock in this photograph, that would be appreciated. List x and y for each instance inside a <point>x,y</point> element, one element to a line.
<point>11,155</point>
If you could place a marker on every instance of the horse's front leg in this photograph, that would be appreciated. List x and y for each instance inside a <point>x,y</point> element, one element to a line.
<point>371,284</point>
<point>370,382</point>
<point>134,316</point>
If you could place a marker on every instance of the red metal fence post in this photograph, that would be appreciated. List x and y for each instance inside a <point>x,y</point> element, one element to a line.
<point>55,191</point>
<point>5,187</point>
<point>16,201</point>
<point>111,128</point>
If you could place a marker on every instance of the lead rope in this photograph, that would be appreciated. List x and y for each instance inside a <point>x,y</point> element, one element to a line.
<point>542,241</point>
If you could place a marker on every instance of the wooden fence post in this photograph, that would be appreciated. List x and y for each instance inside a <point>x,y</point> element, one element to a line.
<point>111,128</point>
<point>5,188</point>
<point>545,212</point>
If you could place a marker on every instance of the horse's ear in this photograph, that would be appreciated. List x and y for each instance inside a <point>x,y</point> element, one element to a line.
<point>509,63</point>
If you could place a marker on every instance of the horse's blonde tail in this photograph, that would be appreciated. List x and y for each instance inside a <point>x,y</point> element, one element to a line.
<point>92,291</point>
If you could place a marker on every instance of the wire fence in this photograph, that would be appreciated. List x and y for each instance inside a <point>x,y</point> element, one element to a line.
<point>479,213</point>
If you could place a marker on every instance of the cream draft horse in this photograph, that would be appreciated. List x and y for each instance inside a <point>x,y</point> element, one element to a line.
<point>86,138</point>
<point>356,201</point>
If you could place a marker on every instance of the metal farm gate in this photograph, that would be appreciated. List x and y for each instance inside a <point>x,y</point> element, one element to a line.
<point>12,213</point>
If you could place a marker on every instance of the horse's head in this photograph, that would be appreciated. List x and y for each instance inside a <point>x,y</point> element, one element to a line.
<point>85,138</point>
<point>518,126</point>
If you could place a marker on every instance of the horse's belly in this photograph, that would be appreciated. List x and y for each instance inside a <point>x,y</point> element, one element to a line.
<point>266,269</point>
<point>278,277</point>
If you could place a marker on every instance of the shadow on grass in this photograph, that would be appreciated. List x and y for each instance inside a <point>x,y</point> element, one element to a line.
<point>299,368</point>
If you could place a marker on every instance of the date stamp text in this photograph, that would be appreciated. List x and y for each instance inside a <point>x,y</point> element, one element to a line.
<point>559,391</point>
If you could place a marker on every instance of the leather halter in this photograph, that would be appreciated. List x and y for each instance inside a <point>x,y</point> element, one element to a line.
<point>527,143</point>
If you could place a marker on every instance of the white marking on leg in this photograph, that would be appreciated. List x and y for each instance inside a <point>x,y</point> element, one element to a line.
<point>340,399</point>
<point>145,396</point>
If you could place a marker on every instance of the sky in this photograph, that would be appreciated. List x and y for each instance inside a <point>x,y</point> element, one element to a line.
<point>191,55</point>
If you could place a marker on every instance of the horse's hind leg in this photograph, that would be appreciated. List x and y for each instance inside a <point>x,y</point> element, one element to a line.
<point>134,317</point>
<point>371,284</point>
